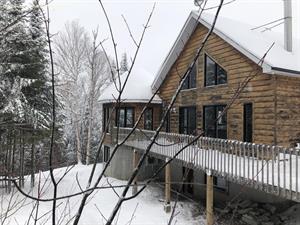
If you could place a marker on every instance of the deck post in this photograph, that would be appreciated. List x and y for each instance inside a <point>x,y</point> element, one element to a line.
<point>134,165</point>
<point>167,206</point>
<point>209,198</point>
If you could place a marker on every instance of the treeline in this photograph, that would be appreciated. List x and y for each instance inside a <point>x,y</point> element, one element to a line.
<point>25,93</point>
<point>82,71</point>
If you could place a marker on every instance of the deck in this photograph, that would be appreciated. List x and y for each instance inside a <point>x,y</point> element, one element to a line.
<point>272,169</point>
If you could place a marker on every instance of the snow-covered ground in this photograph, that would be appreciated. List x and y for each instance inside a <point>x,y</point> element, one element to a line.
<point>145,209</point>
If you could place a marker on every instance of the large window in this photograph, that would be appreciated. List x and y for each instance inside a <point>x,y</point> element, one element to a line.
<point>214,74</point>
<point>187,120</point>
<point>215,124</point>
<point>190,81</point>
<point>106,115</point>
<point>248,120</point>
<point>125,117</point>
<point>148,119</point>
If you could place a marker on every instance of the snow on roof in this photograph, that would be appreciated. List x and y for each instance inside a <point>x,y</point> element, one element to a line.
<point>252,43</point>
<point>137,89</point>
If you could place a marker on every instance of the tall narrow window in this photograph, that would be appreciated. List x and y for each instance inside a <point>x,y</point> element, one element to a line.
<point>148,119</point>
<point>214,73</point>
<point>190,81</point>
<point>248,122</point>
<point>215,121</point>
<point>106,115</point>
<point>106,153</point>
<point>125,117</point>
<point>168,123</point>
<point>187,120</point>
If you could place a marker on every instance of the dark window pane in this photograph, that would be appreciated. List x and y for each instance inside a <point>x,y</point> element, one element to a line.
<point>122,117</point>
<point>187,120</point>
<point>209,121</point>
<point>221,75</point>
<point>193,76</point>
<point>248,122</point>
<point>148,119</point>
<point>106,115</point>
<point>210,70</point>
<point>129,117</point>
<point>106,153</point>
<point>192,120</point>
<point>190,81</point>
<point>168,123</point>
<point>186,83</point>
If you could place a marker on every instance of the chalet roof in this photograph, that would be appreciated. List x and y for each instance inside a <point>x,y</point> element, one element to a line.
<point>252,43</point>
<point>137,89</point>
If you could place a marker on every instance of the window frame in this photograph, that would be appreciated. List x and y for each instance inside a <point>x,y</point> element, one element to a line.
<point>125,116</point>
<point>216,75</point>
<point>187,85</point>
<point>188,127</point>
<point>215,121</point>
<point>149,109</point>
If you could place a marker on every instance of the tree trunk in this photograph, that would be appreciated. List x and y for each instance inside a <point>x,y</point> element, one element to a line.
<point>78,144</point>
<point>32,177</point>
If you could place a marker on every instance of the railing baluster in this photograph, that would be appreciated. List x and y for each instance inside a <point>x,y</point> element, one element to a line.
<point>297,157</point>
<point>291,172</point>
<point>253,160</point>
<point>263,148</point>
<point>278,168</point>
<point>273,170</point>
<point>221,157</point>
<point>240,160</point>
<point>244,161</point>
<point>284,171</point>
<point>236,157</point>
<point>248,156</point>
<point>232,151</point>
<point>268,153</point>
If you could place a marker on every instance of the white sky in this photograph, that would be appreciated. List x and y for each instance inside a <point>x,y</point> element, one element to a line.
<point>169,17</point>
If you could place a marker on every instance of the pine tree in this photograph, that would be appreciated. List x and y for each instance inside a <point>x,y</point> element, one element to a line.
<point>124,63</point>
<point>38,93</point>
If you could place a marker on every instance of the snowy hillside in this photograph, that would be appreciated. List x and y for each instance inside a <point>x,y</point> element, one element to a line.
<point>146,209</point>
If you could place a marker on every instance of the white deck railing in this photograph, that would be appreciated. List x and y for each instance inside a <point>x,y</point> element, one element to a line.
<point>272,169</point>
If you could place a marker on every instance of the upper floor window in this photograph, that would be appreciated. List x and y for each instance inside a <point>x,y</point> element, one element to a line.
<point>187,120</point>
<point>148,119</point>
<point>190,81</point>
<point>125,117</point>
<point>215,123</point>
<point>214,73</point>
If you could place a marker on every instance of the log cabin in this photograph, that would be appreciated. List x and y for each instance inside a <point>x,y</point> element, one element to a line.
<point>254,144</point>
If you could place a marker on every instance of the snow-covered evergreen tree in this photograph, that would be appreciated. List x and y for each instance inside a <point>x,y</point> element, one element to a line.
<point>124,63</point>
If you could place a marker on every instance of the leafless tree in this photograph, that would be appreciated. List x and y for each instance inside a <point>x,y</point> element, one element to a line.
<point>71,50</point>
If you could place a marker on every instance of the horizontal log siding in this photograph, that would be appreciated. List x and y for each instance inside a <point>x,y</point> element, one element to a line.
<point>288,114</point>
<point>260,90</point>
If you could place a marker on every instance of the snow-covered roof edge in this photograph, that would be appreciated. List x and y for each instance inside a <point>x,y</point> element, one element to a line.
<point>184,36</point>
<point>159,101</point>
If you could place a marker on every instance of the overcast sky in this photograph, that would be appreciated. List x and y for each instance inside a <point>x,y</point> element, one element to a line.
<point>169,17</point>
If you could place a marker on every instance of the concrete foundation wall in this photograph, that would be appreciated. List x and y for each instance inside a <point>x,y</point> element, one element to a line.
<point>121,166</point>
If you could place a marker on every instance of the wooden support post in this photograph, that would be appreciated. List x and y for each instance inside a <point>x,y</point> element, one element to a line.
<point>167,206</point>
<point>134,165</point>
<point>209,199</point>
